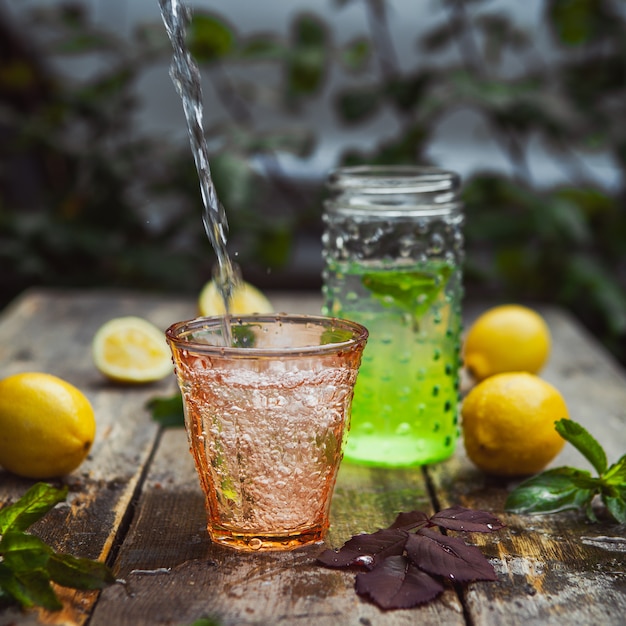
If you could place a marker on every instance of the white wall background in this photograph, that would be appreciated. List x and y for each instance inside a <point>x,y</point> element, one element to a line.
<point>462,142</point>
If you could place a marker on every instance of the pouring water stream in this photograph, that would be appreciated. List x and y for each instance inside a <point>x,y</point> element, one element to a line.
<point>186,78</point>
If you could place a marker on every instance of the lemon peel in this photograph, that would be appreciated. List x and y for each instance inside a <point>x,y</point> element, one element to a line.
<point>506,338</point>
<point>47,425</point>
<point>508,424</point>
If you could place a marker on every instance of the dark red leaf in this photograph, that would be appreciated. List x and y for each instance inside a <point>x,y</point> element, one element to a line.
<point>367,549</point>
<point>460,518</point>
<point>409,520</point>
<point>447,556</point>
<point>397,584</point>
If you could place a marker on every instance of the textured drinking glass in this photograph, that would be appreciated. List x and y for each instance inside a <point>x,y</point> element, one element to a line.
<point>266,418</point>
<point>393,249</point>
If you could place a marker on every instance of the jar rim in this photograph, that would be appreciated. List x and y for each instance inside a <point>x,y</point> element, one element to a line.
<point>393,179</point>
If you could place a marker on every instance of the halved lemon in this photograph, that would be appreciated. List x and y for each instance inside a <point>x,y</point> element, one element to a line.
<point>246,299</point>
<point>131,350</point>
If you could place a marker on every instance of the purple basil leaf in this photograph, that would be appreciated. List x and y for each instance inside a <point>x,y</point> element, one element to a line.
<point>410,520</point>
<point>366,549</point>
<point>460,518</point>
<point>397,584</point>
<point>447,556</point>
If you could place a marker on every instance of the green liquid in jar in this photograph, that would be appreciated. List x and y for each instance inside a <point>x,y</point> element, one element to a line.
<point>405,403</point>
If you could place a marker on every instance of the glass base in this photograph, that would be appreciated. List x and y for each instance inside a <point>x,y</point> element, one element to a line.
<point>266,542</point>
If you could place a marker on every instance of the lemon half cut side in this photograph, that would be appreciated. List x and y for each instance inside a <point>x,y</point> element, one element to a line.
<point>131,350</point>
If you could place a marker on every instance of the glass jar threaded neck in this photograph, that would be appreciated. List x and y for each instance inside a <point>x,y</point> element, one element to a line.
<point>394,190</point>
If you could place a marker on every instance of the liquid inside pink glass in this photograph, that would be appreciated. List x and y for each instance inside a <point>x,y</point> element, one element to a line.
<point>267,434</point>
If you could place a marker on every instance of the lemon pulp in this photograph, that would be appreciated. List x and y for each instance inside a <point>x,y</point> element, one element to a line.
<point>131,349</point>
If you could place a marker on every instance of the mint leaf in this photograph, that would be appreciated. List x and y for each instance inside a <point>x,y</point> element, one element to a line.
<point>24,553</point>
<point>413,291</point>
<point>77,573</point>
<point>29,588</point>
<point>28,564</point>
<point>32,506</point>
<point>616,474</point>
<point>574,433</point>
<point>242,336</point>
<point>615,502</point>
<point>206,621</point>
<point>552,491</point>
<point>568,488</point>
<point>167,411</point>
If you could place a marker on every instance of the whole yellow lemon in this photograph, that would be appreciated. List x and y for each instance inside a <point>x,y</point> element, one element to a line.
<point>507,338</point>
<point>47,426</point>
<point>508,424</point>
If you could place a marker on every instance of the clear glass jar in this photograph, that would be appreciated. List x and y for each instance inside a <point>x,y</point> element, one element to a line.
<point>393,253</point>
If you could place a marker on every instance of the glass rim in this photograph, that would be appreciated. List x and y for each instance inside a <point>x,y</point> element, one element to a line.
<point>174,332</point>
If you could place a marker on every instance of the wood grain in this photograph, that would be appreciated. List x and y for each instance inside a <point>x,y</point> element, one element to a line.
<point>136,500</point>
<point>553,569</point>
<point>175,575</point>
<point>51,331</point>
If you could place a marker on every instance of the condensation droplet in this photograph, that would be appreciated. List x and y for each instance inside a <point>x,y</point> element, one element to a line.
<point>437,243</point>
<point>403,429</point>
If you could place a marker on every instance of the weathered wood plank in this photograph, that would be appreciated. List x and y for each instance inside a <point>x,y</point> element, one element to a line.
<point>553,569</point>
<point>175,575</point>
<point>51,331</point>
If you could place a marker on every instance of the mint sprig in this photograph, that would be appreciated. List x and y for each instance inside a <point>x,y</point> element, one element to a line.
<point>28,565</point>
<point>412,291</point>
<point>566,488</point>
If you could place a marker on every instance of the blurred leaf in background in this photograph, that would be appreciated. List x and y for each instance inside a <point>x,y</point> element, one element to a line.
<point>84,200</point>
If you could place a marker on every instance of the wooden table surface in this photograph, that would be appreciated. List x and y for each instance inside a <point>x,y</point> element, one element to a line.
<point>136,502</point>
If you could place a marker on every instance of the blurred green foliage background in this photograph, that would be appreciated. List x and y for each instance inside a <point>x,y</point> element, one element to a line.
<point>87,201</point>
